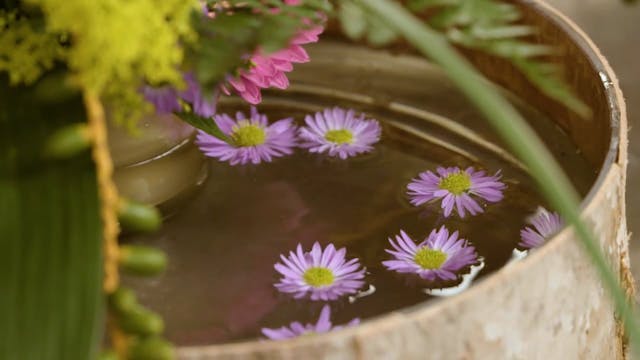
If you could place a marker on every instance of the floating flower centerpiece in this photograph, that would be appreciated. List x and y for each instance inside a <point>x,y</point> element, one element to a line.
<point>321,274</point>
<point>457,188</point>
<point>440,256</point>
<point>296,328</point>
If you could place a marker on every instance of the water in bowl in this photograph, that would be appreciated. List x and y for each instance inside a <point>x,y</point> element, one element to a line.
<point>224,242</point>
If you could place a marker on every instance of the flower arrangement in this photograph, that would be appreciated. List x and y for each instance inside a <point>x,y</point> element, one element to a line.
<point>69,59</point>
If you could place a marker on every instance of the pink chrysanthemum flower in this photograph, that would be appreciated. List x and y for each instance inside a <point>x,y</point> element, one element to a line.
<point>545,224</point>
<point>456,187</point>
<point>268,70</point>
<point>319,274</point>
<point>253,140</point>
<point>296,329</point>
<point>339,132</point>
<point>439,256</point>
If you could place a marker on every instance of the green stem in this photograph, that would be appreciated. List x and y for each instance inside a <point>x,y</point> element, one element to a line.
<point>515,131</point>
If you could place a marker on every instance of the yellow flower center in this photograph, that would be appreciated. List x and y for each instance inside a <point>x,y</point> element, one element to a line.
<point>248,135</point>
<point>318,276</point>
<point>430,259</point>
<point>342,136</point>
<point>456,183</point>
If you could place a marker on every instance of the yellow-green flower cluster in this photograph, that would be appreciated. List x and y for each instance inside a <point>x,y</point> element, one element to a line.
<point>114,45</point>
<point>25,52</point>
<point>121,40</point>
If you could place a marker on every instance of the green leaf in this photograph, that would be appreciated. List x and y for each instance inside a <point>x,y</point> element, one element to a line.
<point>207,125</point>
<point>359,24</point>
<point>222,44</point>
<point>353,20</point>
<point>419,5</point>
<point>488,25</point>
<point>544,78</point>
<point>501,32</point>
<point>51,260</point>
<point>277,32</point>
<point>379,33</point>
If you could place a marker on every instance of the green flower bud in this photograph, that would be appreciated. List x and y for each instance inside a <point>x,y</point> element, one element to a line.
<point>138,217</point>
<point>123,301</point>
<point>141,321</point>
<point>68,141</point>
<point>108,355</point>
<point>142,260</point>
<point>152,348</point>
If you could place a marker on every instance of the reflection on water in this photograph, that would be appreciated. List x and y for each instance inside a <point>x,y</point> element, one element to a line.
<point>370,291</point>
<point>464,284</point>
<point>223,244</point>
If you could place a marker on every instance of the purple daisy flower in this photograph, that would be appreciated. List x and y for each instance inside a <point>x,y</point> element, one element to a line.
<point>439,256</point>
<point>320,274</point>
<point>167,99</point>
<point>545,225</point>
<point>252,140</point>
<point>296,329</point>
<point>339,132</point>
<point>456,187</point>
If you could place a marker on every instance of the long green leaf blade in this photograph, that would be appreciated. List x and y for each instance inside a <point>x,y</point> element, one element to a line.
<point>50,236</point>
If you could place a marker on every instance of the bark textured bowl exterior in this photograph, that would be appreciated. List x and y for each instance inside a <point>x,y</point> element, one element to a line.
<point>551,305</point>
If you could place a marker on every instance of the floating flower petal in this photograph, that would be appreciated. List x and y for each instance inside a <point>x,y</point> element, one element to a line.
<point>339,132</point>
<point>268,70</point>
<point>253,140</point>
<point>545,224</point>
<point>456,187</point>
<point>439,256</point>
<point>321,274</point>
<point>296,329</point>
